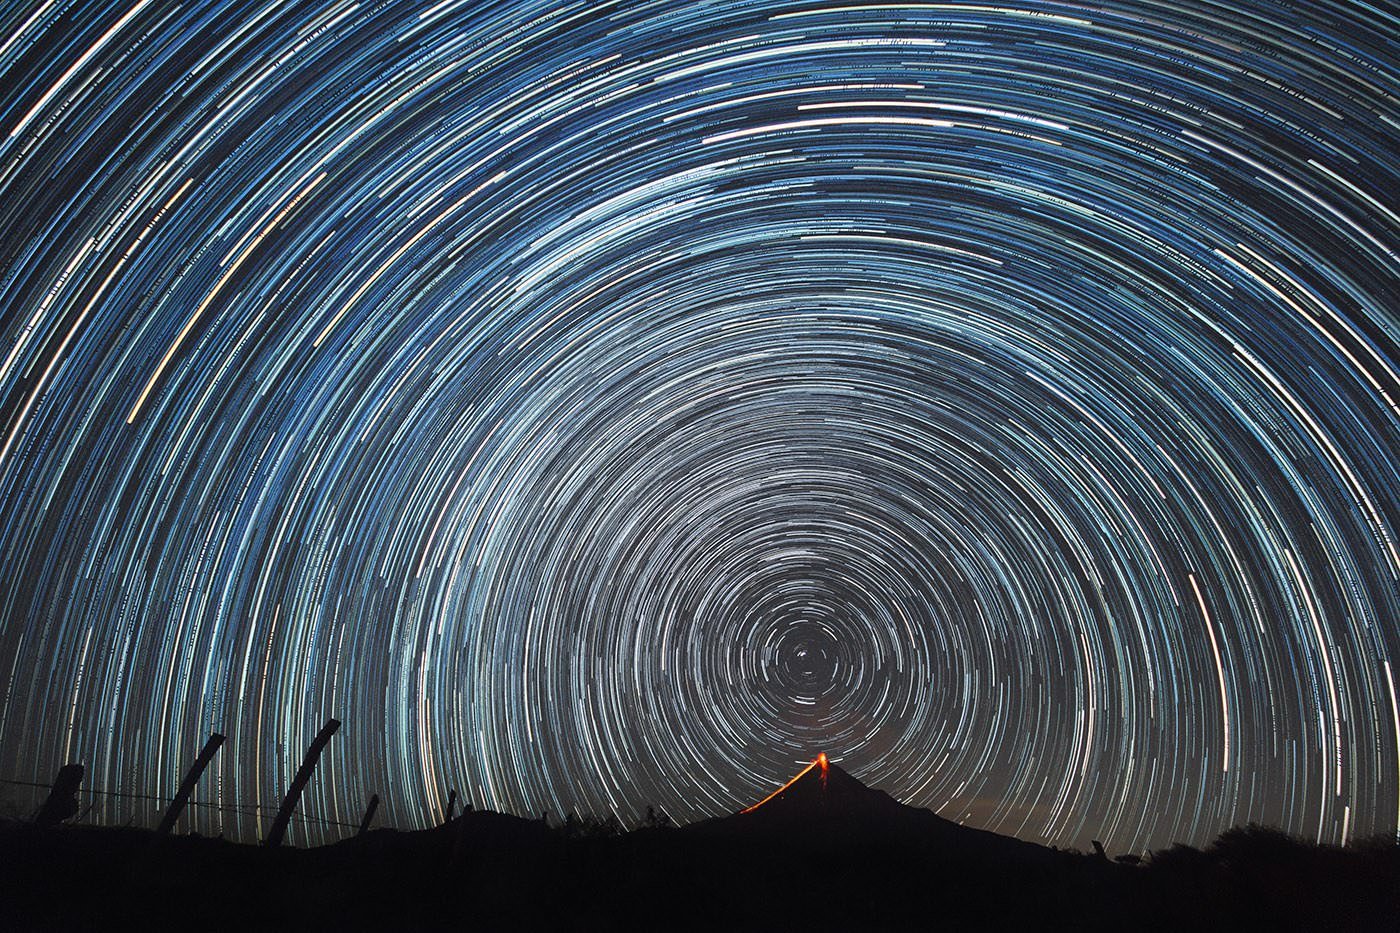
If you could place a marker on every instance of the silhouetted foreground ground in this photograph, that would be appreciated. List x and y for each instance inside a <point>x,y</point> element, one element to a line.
<point>493,872</point>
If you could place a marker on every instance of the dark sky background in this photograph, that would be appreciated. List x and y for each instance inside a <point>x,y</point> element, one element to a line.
<point>596,405</point>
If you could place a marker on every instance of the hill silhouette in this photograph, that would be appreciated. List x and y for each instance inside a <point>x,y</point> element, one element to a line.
<point>822,850</point>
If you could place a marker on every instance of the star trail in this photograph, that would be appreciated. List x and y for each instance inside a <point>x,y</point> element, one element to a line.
<point>596,405</point>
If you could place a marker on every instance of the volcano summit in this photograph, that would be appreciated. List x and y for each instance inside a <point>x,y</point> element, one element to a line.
<point>824,805</point>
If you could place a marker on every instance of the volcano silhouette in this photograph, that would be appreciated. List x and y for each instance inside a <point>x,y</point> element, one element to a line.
<point>823,790</point>
<point>823,802</point>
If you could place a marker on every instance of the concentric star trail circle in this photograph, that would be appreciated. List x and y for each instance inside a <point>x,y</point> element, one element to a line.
<point>604,405</point>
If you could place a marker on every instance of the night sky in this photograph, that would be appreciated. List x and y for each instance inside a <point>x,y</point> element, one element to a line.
<point>596,405</point>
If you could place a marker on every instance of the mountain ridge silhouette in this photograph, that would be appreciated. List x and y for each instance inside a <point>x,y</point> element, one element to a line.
<point>823,842</point>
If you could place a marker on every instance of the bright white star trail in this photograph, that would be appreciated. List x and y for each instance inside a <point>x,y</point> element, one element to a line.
<point>596,405</point>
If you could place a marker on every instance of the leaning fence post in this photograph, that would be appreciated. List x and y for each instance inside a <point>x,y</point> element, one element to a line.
<point>369,814</point>
<point>308,764</point>
<point>451,805</point>
<point>182,795</point>
<point>62,801</point>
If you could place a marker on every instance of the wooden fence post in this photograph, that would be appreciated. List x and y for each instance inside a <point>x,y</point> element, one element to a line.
<point>62,801</point>
<point>182,795</point>
<point>451,805</point>
<point>308,764</point>
<point>369,814</point>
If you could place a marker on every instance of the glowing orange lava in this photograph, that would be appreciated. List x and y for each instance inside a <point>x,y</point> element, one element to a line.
<point>820,760</point>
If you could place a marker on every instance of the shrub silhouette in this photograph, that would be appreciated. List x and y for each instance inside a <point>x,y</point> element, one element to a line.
<point>1256,844</point>
<point>655,819</point>
<point>590,827</point>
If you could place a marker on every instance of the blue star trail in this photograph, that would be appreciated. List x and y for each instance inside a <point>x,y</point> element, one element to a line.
<point>596,405</point>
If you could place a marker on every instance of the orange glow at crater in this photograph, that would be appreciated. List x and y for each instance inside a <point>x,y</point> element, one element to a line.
<point>819,761</point>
